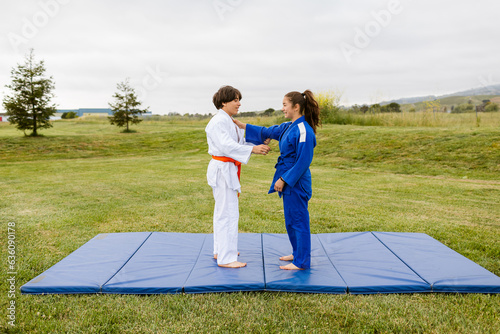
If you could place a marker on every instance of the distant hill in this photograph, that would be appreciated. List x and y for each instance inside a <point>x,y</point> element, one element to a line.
<point>486,91</point>
<point>446,103</point>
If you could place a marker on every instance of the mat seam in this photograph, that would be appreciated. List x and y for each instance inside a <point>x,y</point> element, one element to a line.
<point>194,265</point>
<point>263,260</point>
<point>400,259</point>
<point>131,256</point>
<point>334,267</point>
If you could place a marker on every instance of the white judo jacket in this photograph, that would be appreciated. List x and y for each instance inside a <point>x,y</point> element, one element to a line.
<point>225,139</point>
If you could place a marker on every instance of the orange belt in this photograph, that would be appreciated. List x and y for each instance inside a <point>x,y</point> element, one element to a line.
<point>226,159</point>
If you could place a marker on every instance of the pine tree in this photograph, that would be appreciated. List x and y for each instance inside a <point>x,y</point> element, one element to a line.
<point>29,105</point>
<point>125,108</point>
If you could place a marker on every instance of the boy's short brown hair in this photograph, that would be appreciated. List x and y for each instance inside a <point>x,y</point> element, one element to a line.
<point>225,94</point>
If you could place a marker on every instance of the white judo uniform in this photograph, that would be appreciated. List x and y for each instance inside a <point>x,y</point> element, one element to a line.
<point>225,139</point>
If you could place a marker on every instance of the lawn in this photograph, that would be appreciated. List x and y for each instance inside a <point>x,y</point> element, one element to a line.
<point>84,177</point>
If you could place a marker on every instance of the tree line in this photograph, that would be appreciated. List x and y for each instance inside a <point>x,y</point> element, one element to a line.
<point>29,105</point>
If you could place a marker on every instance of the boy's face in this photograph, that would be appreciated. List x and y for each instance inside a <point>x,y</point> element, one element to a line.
<point>231,108</point>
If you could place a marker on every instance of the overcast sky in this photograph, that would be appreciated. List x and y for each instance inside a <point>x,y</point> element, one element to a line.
<point>178,53</point>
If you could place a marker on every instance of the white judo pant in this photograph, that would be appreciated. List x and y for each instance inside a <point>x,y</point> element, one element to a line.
<point>226,215</point>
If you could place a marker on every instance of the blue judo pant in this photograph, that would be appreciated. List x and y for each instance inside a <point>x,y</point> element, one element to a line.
<point>297,226</point>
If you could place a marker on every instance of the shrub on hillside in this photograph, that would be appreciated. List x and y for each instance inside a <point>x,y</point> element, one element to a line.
<point>391,107</point>
<point>329,109</point>
<point>491,107</point>
<point>463,108</point>
<point>69,115</point>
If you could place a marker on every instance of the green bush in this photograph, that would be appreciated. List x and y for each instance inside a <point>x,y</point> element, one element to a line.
<point>69,115</point>
<point>392,107</point>
<point>491,107</point>
<point>329,107</point>
<point>463,108</point>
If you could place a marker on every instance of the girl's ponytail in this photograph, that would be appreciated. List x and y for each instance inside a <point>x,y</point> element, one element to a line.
<point>308,106</point>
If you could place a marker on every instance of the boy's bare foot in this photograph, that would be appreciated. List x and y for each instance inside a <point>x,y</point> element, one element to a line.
<point>287,258</point>
<point>234,264</point>
<point>215,255</point>
<point>290,266</point>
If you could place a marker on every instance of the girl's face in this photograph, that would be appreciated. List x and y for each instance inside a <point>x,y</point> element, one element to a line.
<point>231,107</point>
<point>290,111</point>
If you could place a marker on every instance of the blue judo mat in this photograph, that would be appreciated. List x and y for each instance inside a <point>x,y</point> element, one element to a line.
<point>357,263</point>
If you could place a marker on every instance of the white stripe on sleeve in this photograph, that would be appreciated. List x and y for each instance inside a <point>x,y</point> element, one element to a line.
<point>302,130</point>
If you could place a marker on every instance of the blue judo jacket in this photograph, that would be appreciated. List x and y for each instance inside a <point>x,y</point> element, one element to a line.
<point>296,142</point>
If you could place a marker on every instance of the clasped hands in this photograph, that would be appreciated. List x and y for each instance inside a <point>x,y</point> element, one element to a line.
<point>262,149</point>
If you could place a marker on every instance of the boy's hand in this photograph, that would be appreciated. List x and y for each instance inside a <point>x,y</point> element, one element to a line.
<point>261,149</point>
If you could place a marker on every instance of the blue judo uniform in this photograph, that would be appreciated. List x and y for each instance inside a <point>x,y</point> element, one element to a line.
<point>296,143</point>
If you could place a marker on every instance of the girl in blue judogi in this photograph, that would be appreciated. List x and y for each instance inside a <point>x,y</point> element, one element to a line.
<point>292,179</point>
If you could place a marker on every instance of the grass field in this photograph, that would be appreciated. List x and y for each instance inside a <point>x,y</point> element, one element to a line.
<point>84,177</point>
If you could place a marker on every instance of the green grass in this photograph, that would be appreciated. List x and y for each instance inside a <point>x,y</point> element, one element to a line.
<point>84,177</point>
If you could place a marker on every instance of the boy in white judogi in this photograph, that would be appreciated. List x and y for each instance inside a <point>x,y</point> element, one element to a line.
<point>226,144</point>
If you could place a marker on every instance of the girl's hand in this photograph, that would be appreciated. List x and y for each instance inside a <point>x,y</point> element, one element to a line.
<point>267,141</point>
<point>239,124</point>
<point>279,185</point>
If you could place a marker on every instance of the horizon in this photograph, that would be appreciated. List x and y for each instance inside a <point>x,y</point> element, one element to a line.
<point>340,105</point>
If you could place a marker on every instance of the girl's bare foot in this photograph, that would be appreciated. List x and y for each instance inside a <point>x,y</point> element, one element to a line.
<point>290,266</point>
<point>234,264</point>
<point>215,255</point>
<point>287,258</point>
